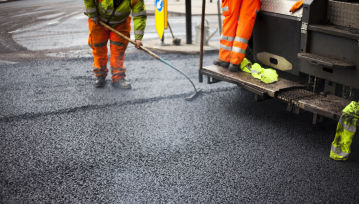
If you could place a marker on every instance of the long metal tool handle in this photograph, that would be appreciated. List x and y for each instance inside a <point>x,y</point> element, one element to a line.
<point>202,39</point>
<point>153,55</point>
<point>219,16</point>
<point>173,67</point>
<point>129,40</point>
<point>169,26</point>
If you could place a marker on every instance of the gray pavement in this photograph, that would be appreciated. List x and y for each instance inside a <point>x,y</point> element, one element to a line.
<point>46,86</point>
<point>178,7</point>
<point>38,29</point>
<point>63,141</point>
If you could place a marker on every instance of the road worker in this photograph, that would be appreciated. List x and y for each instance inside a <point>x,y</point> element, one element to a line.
<point>239,18</point>
<point>115,13</point>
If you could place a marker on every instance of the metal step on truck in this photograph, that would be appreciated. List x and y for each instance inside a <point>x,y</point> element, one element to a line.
<point>314,50</point>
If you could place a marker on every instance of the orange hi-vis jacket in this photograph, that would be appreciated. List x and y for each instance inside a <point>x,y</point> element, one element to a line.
<point>239,18</point>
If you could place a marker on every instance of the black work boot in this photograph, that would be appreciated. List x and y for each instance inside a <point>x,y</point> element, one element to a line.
<point>122,84</point>
<point>221,63</point>
<point>100,82</point>
<point>234,67</point>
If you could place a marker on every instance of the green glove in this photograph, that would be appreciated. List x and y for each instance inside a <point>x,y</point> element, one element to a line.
<point>266,75</point>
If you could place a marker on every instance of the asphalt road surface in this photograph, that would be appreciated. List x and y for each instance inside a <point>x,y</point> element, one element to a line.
<point>63,141</point>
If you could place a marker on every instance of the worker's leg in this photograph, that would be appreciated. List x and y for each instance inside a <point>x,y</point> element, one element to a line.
<point>230,11</point>
<point>98,38</point>
<point>118,47</point>
<point>247,17</point>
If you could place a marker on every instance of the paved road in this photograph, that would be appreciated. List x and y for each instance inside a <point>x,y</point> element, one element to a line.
<point>63,141</point>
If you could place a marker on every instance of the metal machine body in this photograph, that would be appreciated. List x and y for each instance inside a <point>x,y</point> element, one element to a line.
<point>319,40</point>
<point>315,50</point>
<point>332,48</point>
<point>276,36</point>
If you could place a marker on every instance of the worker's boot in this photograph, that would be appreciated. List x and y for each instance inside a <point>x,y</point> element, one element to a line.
<point>100,82</point>
<point>221,63</point>
<point>234,67</point>
<point>122,84</point>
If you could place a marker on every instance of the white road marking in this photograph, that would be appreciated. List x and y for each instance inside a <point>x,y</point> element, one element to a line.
<point>7,62</point>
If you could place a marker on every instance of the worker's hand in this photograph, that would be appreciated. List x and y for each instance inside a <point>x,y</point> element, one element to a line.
<point>94,19</point>
<point>296,6</point>
<point>138,43</point>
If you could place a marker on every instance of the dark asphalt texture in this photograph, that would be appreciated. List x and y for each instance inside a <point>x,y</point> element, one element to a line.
<point>62,141</point>
<point>50,86</point>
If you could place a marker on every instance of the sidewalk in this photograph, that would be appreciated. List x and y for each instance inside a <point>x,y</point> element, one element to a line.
<point>178,7</point>
<point>184,48</point>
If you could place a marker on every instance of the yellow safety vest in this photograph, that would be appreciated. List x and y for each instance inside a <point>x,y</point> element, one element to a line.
<point>346,129</point>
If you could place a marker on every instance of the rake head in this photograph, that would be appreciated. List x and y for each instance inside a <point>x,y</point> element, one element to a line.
<point>194,95</point>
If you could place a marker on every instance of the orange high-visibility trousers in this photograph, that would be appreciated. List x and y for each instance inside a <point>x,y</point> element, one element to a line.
<point>239,18</point>
<point>98,38</point>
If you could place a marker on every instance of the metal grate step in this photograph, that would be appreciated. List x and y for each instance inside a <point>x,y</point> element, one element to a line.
<point>326,105</point>
<point>295,94</point>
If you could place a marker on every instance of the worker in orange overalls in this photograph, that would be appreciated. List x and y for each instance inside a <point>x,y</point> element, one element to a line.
<point>115,13</point>
<point>239,18</point>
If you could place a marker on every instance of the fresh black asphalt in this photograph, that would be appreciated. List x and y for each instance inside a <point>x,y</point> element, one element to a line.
<point>63,141</point>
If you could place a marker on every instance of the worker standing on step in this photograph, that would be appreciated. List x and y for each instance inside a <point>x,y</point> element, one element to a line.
<point>115,13</point>
<point>239,18</point>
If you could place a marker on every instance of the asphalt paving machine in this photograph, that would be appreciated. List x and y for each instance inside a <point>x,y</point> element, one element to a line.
<point>314,50</point>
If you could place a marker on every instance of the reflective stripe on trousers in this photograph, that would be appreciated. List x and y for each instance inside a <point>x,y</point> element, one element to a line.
<point>237,28</point>
<point>339,152</point>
